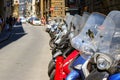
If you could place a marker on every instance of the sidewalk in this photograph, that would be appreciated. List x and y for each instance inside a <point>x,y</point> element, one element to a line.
<point>4,35</point>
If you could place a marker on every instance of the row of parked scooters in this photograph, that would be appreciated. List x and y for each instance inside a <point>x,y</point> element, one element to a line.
<point>85,47</point>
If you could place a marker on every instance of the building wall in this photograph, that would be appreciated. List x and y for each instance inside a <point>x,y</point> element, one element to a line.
<point>43,8</point>
<point>73,6</point>
<point>58,7</point>
<point>103,6</point>
<point>16,8</point>
<point>28,9</point>
<point>5,11</point>
<point>5,8</point>
<point>8,4</point>
<point>2,8</point>
<point>55,8</point>
<point>33,7</point>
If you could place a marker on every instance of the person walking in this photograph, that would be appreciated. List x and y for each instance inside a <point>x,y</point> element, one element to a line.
<point>43,20</point>
<point>10,23</point>
<point>7,23</point>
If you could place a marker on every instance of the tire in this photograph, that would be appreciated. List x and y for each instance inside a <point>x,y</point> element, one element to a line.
<point>51,62</point>
<point>51,67</point>
<point>96,75</point>
<point>52,75</point>
<point>51,43</point>
<point>51,35</point>
<point>54,50</point>
<point>47,30</point>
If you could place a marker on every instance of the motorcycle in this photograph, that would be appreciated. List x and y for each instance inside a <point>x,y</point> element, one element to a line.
<point>105,64</point>
<point>89,29</point>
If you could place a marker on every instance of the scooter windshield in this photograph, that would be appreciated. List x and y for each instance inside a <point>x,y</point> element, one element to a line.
<point>108,39</point>
<point>68,20</point>
<point>75,25</point>
<point>86,36</point>
<point>78,21</point>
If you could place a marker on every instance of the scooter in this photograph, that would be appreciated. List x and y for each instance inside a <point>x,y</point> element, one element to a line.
<point>62,30</point>
<point>62,65</point>
<point>63,41</point>
<point>49,26</point>
<point>52,28</point>
<point>106,61</point>
<point>104,65</point>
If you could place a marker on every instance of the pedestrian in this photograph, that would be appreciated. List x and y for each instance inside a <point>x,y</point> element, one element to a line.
<point>43,20</point>
<point>14,20</point>
<point>7,23</point>
<point>10,23</point>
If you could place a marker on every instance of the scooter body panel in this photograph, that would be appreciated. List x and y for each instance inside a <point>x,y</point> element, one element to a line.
<point>68,60</point>
<point>78,60</point>
<point>114,77</point>
<point>77,72</point>
<point>62,65</point>
<point>59,68</point>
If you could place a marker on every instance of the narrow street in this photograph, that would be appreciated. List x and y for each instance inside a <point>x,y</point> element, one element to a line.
<point>26,54</point>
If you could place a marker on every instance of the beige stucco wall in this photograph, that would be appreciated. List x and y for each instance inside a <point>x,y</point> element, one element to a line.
<point>33,7</point>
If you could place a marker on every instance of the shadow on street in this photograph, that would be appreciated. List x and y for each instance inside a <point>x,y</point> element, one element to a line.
<point>16,34</point>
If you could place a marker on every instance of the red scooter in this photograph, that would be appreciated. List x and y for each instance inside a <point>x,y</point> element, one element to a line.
<point>62,66</point>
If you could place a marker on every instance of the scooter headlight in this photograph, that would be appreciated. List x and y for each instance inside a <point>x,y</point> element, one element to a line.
<point>102,64</point>
<point>103,61</point>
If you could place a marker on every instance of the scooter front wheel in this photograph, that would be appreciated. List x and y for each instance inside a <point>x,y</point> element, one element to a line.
<point>52,75</point>
<point>96,75</point>
<point>51,43</point>
<point>51,67</point>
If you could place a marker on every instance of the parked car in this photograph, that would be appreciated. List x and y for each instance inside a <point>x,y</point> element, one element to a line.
<point>22,19</point>
<point>34,21</point>
<point>30,20</point>
<point>27,19</point>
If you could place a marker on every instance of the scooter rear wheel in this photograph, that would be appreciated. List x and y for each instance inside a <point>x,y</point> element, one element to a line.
<point>51,67</point>
<point>51,43</point>
<point>51,62</point>
<point>47,30</point>
<point>52,75</point>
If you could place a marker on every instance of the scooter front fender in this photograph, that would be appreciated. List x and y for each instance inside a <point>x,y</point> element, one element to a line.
<point>114,77</point>
<point>59,68</point>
